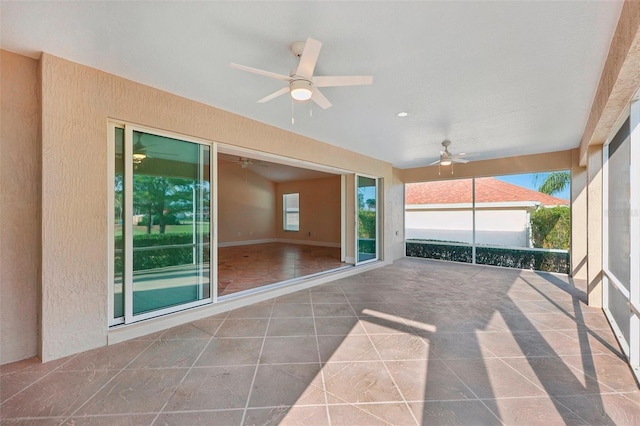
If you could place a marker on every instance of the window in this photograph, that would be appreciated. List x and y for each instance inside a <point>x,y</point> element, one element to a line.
<point>291,212</point>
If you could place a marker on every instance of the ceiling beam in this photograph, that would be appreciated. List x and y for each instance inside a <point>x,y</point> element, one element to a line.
<point>619,80</point>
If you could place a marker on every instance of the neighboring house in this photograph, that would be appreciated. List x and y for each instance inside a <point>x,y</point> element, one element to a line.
<point>442,211</point>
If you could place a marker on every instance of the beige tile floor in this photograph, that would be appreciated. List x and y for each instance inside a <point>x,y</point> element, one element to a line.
<point>419,342</point>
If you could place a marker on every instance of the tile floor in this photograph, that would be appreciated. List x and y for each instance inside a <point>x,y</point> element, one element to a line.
<point>418,342</point>
<point>250,266</point>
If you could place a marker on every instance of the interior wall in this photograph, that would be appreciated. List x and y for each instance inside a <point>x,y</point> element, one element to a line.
<point>77,102</point>
<point>20,207</point>
<point>319,211</point>
<point>246,206</point>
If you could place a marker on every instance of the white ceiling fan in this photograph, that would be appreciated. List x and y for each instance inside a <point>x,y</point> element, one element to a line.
<point>303,85</point>
<point>447,158</point>
<point>242,161</point>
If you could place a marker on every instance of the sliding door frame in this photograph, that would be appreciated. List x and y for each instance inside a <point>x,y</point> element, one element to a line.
<point>128,291</point>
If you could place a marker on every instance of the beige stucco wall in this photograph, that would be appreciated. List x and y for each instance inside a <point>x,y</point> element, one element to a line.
<point>578,218</point>
<point>19,207</point>
<point>77,101</point>
<point>246,205</point>
<point>320,210</point>
<point>560,160</point>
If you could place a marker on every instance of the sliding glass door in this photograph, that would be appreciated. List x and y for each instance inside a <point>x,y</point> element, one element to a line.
<point>161,224</point>
<point>366,219</point>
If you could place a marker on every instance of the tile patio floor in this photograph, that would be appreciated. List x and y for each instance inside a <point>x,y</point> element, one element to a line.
<point>418,342</point>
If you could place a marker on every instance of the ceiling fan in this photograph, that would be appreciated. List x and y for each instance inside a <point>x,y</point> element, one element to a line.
<point>303,85</point>
<point>244,162</point>
<point>140,151</point>
<point>447,158</point>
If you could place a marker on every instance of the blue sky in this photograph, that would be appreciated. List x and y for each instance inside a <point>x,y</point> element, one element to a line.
<point>528,180</point>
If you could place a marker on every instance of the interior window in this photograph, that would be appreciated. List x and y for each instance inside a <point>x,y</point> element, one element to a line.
<point>291,209</point>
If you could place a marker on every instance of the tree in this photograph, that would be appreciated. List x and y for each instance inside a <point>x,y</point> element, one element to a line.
<point>161,198</point>
<point>554,182</point>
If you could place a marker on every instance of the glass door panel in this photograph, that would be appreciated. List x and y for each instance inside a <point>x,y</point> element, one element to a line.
<point>367,220</point>
<point>171,201</point>
<point>118,226</point>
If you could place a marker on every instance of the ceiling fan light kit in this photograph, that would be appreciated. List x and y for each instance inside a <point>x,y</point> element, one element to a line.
<point>301,90</point>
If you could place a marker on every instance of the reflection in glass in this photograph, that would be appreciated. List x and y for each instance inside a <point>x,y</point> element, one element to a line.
<point>118,215</point>
<point>171,201</point>
<point>367,223</point>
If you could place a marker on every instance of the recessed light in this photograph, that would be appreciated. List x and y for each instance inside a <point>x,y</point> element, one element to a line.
<point>402,114</point>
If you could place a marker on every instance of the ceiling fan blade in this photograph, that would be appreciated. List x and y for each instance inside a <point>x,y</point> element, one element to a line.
<point>309,58</point>
<point>342,80</point>
<point>459,160</point>
<point>320,99</point>
<point>260,72</point>
<point>274,95</point>
<point>434,163</point>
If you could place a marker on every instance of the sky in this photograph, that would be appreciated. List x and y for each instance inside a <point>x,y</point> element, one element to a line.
<point>528,180</point>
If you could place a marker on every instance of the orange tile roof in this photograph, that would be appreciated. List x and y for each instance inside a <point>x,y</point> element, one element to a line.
<point>488,190</point>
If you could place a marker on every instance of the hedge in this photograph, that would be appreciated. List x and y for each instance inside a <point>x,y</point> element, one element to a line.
<point>159,258</point>
<point>506,257</point>
<point>440,251</point>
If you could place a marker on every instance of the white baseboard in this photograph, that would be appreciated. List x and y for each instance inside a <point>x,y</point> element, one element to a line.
<point>350,259</point>
<point>247,242</point>
<point>309,243</point>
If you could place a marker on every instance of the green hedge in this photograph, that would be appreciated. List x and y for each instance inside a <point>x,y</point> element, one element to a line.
<point>440,251</point>
<point>506,257</point>
<point>524,259</point>
<point>366,246</point>
<point>160,258</point>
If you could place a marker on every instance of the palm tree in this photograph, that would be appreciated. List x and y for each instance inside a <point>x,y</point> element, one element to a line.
<point>554,182</point>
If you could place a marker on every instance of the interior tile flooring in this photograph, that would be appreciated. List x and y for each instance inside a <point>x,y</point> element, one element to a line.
<point>250,266</point>
<point>418,342</point>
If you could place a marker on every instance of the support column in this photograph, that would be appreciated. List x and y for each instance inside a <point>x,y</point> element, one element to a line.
<point>594,226</point>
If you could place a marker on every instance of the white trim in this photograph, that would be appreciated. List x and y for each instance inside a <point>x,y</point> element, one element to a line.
<point>142,328</point>
<point>213,223</point>
<point>343,218</point>
<point>350,259</point>
<point>487,205</point>
<point>279,240</point>
<point>634,207</point>
<point>225,148</point>
<point>247,242</point>
<point>605,222</point>
<point>127,228</point>
<point>473,220</point>
<point>616,330</point>
<point>616,283</point>
<point>357,220</point>
<point>309,243</point>
<point>111,153</point>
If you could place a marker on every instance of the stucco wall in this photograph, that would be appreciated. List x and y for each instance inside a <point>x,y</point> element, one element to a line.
<point>77,101</point>
<point>500,227</point>
<point>20,207</point>
<point>319,210</point>
<point>246,205</point>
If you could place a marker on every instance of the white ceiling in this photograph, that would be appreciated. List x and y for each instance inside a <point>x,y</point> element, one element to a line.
<point>497,78</point>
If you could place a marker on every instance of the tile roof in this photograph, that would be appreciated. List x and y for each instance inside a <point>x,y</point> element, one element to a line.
<point>488,189</point>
